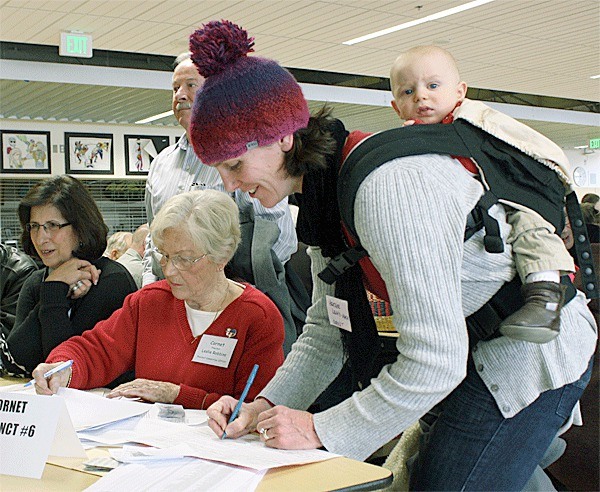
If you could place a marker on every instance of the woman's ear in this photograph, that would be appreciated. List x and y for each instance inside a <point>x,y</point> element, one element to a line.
<point>286,143</point>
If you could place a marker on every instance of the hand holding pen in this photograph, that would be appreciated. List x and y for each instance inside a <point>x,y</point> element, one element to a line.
<point>238,406</point>
<point>49,377</point>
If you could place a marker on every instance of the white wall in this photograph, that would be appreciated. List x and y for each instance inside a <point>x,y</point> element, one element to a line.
<point>57,139</point>
<point>590,163</point>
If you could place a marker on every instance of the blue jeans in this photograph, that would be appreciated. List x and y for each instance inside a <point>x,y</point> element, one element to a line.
<point>468,445</point>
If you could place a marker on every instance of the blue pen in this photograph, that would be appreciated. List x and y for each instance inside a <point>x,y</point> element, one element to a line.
<point>52,371</point>
<point>237,408</point>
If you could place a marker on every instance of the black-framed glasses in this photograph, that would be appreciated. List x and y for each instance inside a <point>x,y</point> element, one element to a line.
<point>180,262</point>
<point>50,227</point>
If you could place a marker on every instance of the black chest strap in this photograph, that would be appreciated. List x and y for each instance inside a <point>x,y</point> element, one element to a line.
<point>583,248</point>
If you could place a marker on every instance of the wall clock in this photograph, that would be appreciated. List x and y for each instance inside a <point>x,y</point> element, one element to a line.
<point>580,176</point>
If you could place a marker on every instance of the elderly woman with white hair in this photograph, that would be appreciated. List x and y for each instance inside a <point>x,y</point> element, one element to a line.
<point>190,338</point>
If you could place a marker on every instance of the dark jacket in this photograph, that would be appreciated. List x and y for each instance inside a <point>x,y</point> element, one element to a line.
<point>15,267</point>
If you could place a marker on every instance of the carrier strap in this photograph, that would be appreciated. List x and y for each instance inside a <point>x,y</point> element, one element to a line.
<point>342,263</point>
<point>492,240</point>
<point>589,279</point>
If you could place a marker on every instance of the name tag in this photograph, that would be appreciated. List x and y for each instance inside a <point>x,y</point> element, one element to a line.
<point>337,310</point>
<point>215,351</point>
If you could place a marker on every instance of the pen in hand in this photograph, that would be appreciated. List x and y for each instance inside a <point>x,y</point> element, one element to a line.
<point>237,408</point>
<point>52,371</point>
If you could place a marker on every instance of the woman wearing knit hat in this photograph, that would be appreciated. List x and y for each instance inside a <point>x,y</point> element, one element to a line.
<point>251,122</point>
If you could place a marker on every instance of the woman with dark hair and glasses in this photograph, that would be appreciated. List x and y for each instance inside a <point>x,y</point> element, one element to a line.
<point>79,287</point>
<point>190,338</point>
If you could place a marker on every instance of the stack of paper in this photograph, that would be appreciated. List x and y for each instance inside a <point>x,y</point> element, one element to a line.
<point>167,451</point>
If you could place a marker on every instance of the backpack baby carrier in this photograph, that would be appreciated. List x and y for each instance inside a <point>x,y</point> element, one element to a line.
<point>507,174</point>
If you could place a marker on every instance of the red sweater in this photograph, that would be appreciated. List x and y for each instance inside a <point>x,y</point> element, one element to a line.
<point>151,335</point>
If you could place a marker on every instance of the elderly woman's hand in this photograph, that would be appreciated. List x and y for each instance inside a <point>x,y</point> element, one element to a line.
<point>147,390</point>
<point>50,386</point>
<point>218,415</point>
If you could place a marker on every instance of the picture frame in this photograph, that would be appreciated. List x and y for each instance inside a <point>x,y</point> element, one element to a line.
<point>140,151</point>
<point>89,153</point>
<point>25,152</point>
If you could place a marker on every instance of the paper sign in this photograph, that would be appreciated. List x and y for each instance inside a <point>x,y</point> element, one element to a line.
<point>337,309</point>
<point>31,428</point>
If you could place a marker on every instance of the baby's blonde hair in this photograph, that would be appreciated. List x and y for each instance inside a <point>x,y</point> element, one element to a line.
<point>413,54</point>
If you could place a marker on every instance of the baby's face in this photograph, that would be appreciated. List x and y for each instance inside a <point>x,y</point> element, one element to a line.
<point>427,88</point>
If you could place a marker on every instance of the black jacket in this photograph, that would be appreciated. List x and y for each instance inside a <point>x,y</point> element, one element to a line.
<point>15,267</point>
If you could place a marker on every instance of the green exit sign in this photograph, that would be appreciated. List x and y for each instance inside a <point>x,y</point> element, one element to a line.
<point>75,44</point>
<point>595,143</point>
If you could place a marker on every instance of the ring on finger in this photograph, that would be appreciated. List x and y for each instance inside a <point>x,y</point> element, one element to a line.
<point>263,432</point>
<point>77,285</point>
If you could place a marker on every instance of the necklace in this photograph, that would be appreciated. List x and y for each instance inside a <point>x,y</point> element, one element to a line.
<point>219,310</point>
<point>222,303</point>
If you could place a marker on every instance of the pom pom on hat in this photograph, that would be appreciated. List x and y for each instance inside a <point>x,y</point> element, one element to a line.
<point>246,101</point>
<point>217,45</point>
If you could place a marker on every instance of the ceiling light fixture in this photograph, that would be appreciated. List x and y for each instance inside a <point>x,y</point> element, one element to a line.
<point>595,77</point>
<point>416,22</point>
<point>155,117</point>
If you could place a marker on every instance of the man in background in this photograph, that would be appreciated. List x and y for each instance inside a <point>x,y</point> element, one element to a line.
<point>132,259</point>
<point>117,244</point>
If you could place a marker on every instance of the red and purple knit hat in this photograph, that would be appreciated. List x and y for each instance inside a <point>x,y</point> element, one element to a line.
<point>246,102</point>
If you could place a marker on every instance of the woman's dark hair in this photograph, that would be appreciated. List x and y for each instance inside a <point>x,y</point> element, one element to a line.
<point>591,215</point>
<point>590,198</point>
<point>76,205</point>
<point>312,145</point>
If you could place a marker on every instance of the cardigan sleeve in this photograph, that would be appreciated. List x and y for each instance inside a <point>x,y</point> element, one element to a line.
<point>23,342</point>
<point>42,306</point>
<point>107,351</point>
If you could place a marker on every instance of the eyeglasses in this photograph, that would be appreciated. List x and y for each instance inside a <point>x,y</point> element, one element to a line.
<point>50,227</point>
<point>180,262</point>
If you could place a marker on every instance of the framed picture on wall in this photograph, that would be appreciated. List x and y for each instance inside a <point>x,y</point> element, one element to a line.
<point>89,153</point>
<point>25,152</point>
<point>140,150</point>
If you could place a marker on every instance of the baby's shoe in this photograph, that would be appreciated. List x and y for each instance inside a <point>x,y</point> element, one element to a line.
<point>539,319</point>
